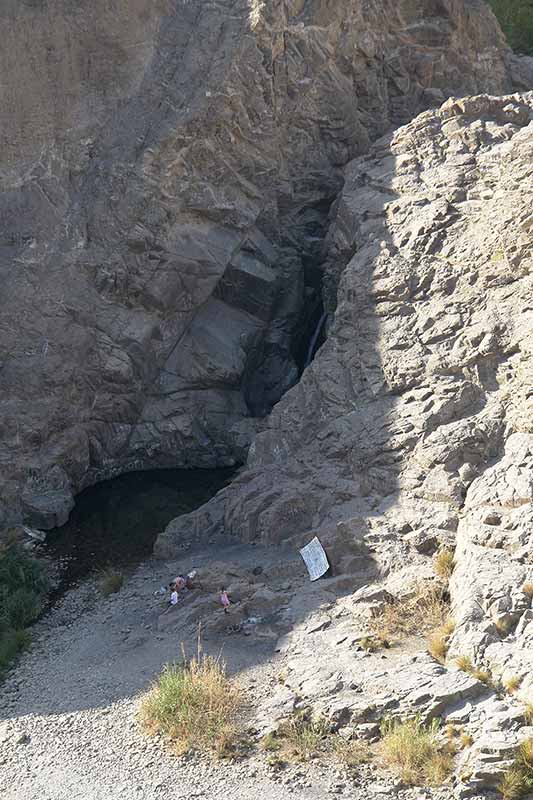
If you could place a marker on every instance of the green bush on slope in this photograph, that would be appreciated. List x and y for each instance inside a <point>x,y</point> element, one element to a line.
<point>516,19</point>
<point>23,585</point>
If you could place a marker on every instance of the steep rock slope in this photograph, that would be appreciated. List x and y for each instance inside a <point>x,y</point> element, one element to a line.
<point>413,429</point>
<point>167,169</point>
<point>425,379</point>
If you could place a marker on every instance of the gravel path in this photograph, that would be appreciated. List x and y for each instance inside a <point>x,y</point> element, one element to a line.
<point>68,725</point>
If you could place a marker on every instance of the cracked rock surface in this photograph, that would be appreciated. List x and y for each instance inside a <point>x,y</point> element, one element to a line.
<point>166,174</point>
<point>412,428</point>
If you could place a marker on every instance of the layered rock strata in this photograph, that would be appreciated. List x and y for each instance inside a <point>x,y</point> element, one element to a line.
<point>413,430</point>
<point>167,170</point>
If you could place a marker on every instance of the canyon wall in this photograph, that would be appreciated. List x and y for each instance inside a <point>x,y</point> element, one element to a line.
<point>167,171</point>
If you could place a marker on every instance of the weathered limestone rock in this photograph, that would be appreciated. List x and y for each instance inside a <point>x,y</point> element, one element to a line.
<point>167,170</point>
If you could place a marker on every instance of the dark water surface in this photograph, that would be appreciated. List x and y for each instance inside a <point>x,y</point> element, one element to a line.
<point>115,523</point>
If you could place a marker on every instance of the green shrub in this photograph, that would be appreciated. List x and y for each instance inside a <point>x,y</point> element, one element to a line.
<point>516,20</point>
<point>195,705</point>
<point>23,587</point>
<point>21,607</point>
<point>12,642</point>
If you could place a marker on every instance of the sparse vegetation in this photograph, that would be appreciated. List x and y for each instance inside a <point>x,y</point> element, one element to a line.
<point>465,663</point>
<point>518,780</point>
<point>527,588</point>
<point>438,640</point>
<point>372,643</point>
<point>444,563</point>
<point>196,706</point>
<point>414,751</point>
<point>512,683</point>
<point>516,19</point>
<point>110,581</point>
<point>351,752</point>
<point>528,713</point>
<point>503,626</point>
<point>482,675</point>
<point>466,739</point>
<point>458,736</point>
<point>23,587</point>
<point>300,737</point>
<point>426,608</point>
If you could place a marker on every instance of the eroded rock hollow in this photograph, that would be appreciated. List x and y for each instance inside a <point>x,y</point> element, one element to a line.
<point>167,173</point>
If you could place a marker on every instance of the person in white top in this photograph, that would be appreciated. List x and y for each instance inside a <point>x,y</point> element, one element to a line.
<point>174,597</point>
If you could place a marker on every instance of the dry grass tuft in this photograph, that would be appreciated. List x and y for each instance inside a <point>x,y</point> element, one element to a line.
<point>195,705</point>
<point>518,780</point>
<point>373,643</point>
<point>111,581</point>
<point>301,736</point>
<point>511,786</point>
<point>528,713</point>
<point>466,739</point>
<point>482,675</point>
<point>512,684</point>
<point>427,608</point>
<point>438,640</point>
<point>413,750</point>
<point>444,563</point>
<point>351,753</point>
<point>527,588</point>
<point>465,663</point>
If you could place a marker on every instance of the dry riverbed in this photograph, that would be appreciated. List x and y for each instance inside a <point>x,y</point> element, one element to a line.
<point>68,724</point>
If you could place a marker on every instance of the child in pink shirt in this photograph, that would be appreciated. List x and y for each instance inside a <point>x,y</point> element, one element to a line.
<point>224,599</point>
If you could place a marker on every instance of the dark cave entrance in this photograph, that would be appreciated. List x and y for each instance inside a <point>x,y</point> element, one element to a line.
<point>115,523</point>
<point>277,363</point>
<point>310,332</point>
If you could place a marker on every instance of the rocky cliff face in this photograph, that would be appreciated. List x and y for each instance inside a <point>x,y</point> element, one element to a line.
<point>424,382</point>
<point>167,171</point>
<point>413,427</point>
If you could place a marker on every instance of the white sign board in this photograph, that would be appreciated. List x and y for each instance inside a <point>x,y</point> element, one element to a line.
<point>315,559</point>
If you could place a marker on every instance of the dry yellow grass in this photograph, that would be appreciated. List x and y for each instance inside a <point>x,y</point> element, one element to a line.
<point>195,705</point>
<point>438,640</point>
<point>414,752</point>
<point>528,713</point>
<point>350,753</point>
<point>465,663</point>
<point>466,739</point>
<point>482,675</point>
<point>444,563</point>
<point>527,588</point>
<point>511,786</point>
<point>518,780</point>
<point>427,608</point>
<point>512,683</point>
